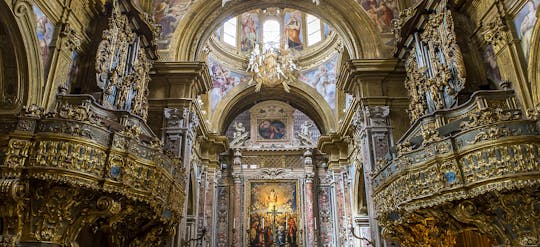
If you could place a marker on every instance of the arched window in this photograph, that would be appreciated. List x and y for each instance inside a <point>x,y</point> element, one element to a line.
<point>229,31</point>
<point>271,33</point>
<point>313,29</point>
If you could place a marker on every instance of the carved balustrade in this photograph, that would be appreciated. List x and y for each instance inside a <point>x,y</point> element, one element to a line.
<point>82,148</point>
<point>450,160</point>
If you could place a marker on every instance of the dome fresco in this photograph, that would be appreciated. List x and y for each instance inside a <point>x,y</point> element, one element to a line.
<point>289,27</point>
<point>322,77</point>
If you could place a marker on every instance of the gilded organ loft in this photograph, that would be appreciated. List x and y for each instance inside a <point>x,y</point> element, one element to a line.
<point>269,123</point>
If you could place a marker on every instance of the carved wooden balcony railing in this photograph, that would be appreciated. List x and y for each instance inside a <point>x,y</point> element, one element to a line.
<point>450,162</point>
<point>82,146</point>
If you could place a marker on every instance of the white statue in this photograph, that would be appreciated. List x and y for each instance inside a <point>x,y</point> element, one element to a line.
<point>304,129</point>
<point>224,2</point>
<point>280,71</point>
<point>239,130</point>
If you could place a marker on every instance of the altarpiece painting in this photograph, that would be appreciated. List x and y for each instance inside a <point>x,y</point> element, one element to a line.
<point>274,218</point>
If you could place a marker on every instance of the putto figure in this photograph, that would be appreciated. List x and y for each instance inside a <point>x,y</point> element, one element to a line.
<point>271,67</point>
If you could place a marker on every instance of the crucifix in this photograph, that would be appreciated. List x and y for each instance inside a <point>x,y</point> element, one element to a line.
<point>274,213</point>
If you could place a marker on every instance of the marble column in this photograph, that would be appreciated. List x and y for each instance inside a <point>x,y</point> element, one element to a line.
<point>342,201</point>
<point>179,135</point>
<point>208,207</point>
<point>373,138</point>
<point>237,203</point>
<point>309,199</point>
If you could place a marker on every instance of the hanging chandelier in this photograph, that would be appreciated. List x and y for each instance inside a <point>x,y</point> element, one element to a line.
<point>271,66</point>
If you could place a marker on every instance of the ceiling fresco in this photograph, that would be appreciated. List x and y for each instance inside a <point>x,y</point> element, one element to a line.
<point>168,14</point>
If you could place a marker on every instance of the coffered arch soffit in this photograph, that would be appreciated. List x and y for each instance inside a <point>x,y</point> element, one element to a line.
<point>302,97</point>
<point>349,20</point>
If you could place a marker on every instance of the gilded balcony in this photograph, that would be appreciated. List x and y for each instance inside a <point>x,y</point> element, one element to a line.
<point>100,166</point>
<point>459,168</point>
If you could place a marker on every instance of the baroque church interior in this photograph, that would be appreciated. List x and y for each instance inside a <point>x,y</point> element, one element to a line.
<point>269,123</point>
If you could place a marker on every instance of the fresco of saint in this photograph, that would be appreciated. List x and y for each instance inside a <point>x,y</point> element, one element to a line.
<point>44,32</point>
<point>293,30</point>
<point>524,22</point>
<point>381,12</point>
<point>250,30</point>
<point>323,79</point>
<point>223,80</point>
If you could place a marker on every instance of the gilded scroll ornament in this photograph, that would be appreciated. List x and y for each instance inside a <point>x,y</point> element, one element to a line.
<point>476,168</point>
<point>496,32</point>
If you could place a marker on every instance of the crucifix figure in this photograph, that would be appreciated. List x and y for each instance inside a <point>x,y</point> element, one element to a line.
<point>274,213</point>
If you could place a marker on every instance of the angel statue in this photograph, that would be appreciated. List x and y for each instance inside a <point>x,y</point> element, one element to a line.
<point>271,67</point>
<point>304,128</point>
<point>239,129</point>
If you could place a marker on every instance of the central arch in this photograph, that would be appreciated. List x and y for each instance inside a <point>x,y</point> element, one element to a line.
<point>347,17</point>
<point>301,96</point>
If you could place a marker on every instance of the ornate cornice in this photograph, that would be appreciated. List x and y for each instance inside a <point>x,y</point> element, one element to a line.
<point>180,79</point>
<point>358,71</point>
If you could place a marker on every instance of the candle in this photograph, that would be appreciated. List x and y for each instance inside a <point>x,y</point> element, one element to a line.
<point>263,223</point>
<point>234,223</point>
<point>286,222</point>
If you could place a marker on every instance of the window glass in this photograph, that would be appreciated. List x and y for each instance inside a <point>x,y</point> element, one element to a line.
<point>313,29</point>
<point>271,34</point>
<point>229,31</point>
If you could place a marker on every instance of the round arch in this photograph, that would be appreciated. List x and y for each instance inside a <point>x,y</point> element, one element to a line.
<point>534,65</point>
<point>347,17</point>
<point>301,96</point>
<point>20,27</point>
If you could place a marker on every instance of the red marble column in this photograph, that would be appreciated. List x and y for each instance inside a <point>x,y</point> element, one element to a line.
<point>310,218</point>
<point>237,217</point>
<point>210,190</point>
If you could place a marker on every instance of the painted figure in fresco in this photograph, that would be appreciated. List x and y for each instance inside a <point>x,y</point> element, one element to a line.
<point>269,237</point>
<point>273,196</point>
<point>249,32</point>
<point>256,238</point>
<point>386,15</point>
<point>168,13</point>
<point>291,233</point>
<point>293,33</point>
<point>281,238</point>
<point>493,72</point>
<point>526,28</point>
<point>324,84</point>
<point>321,80</point>
<point>44,30</point>
<point>381,12</point>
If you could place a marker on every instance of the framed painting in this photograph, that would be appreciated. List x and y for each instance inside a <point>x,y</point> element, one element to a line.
<point>273,213</point>
<point>272,129</point>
